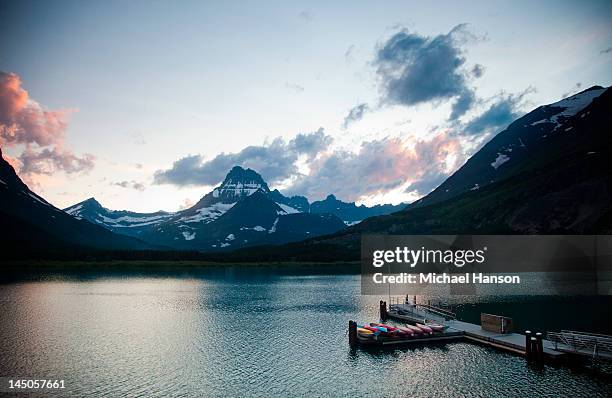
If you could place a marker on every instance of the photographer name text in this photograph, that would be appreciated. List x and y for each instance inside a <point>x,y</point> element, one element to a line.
<point>444,278</point>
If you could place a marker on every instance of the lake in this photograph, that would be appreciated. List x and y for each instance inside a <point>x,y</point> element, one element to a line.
<point>232,332</point>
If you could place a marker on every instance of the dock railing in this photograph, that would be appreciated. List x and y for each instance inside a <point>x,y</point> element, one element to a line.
<point>423,313</point>
<point>591,344</point>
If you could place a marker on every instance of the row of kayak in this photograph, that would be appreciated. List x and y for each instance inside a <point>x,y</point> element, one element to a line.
<point>374,330</point>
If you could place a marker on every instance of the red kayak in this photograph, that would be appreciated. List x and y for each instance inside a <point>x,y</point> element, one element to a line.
<point>407,331</point>
<point>424,328</point>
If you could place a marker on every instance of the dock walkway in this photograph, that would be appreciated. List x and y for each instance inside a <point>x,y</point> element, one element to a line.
<point>509,341</point>
<point>512,342</point>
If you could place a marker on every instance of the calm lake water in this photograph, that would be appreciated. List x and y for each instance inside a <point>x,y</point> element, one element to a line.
<point>234,333</point>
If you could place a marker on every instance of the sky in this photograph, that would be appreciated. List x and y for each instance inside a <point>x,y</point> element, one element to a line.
<point>146,105</point>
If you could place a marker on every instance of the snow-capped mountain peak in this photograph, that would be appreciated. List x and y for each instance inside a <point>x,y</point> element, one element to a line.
<point>115,220</point>
<point>239,183</point>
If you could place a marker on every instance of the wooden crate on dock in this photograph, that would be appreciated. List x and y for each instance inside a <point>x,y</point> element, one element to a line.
<point>496,323</point>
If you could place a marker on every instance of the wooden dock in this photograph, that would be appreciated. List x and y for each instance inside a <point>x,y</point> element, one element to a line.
<point>512,342</point>
<point>457,330</point>
<point>494,331</point>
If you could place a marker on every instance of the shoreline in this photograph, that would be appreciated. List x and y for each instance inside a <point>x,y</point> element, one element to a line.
<point>29,267</point>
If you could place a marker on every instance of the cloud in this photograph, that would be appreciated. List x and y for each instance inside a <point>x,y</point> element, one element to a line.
<point>417,69</point>
<point>49,161</point>
<point>25,121</point>
<point>294,87</point>
<point>504,109</point>
<point>187,203</point>
<point>478,71</point>
<point>349,54</point>
<point>138,138</point>
<point>275,161</point>
<point>380,166</point>
<point>311,143</point>
<point>573,90</point>
<point>130,184</point>
<point>306,16</point>
<point>355,114</point>
<point>464,103</point>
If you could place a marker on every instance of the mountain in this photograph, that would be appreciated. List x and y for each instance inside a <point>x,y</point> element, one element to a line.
<point>119,221</point>
<point>547,173</point>
<point>526,140</point>
<point>241,211</point>
<point>30,223</point>
<point>350,213</point>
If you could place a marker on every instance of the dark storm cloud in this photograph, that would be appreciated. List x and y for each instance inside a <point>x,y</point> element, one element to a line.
<point>355,114</point>
<point>416,69</point>
<point>275,161</point>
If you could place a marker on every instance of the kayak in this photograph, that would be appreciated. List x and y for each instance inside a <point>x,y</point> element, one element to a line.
<point>414,329</point>
<point>436,327</point>
<point>404,334</point>
<point>424,328</point>
<point>364,331</point>
<point>382,325</point>
<point>406,330</point>
<point>371,329</point>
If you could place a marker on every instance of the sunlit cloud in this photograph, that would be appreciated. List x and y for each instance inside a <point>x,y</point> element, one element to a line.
<point>23,121</point>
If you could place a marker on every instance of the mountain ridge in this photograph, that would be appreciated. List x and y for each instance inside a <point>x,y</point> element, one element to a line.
<point>32,223</point>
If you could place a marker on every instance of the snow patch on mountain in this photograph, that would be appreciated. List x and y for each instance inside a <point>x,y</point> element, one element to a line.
<point>501,159</point>
<point>189,235</point>
<point>130,222</point>
<point>257,228</point>
<point>207,214</point>
<point>286,209</point>
<point>273,228</point>
<point>571,106</point>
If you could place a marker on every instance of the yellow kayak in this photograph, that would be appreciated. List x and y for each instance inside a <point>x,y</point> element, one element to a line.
<point>364,331</point>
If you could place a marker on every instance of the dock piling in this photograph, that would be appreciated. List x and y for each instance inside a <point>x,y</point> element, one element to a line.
<point>383,311</point>
<point>539,347</point>
<point>352,334</point>
<point>528,344</point>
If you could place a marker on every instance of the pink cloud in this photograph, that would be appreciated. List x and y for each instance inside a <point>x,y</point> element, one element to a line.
<point>380,166</point>
<point>25,121</point>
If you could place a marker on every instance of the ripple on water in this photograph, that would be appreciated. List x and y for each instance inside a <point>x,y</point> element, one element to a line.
<point>282,335</point>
